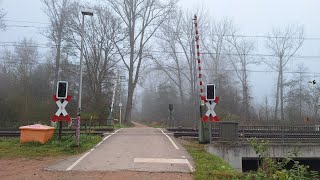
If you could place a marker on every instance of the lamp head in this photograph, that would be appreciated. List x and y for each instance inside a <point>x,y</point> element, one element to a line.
<point>87,12</point>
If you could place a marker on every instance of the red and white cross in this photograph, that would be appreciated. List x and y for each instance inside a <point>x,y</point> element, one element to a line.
<point>211,114</point>
<point>61,112</point>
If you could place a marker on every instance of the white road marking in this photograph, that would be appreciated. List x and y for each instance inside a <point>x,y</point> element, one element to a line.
<point>190,166</point>
<point>75,163</point>
<point>98,144</point>
<point>86,154</point>
<point>174,144</point>
<point>183,156</point>
<point>164,160</point>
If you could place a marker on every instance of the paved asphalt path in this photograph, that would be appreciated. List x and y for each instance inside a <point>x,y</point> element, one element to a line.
<point>134,149</point>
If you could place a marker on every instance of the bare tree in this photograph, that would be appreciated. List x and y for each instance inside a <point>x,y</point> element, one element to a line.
<point>176,41</point>
<point>102,31</point>
<point>2,22</point>
<point>265,110</point>
<point>59,13</point>
<point>20,65</point>
<point>186,41</point>
<point>298,96</point>
<point>216,58</point>
<point>171,63</point>
<point>283,43</point>
<point>315,99</point>
<point>141,18</point>
<point>215,44</point>
<point>240,60</point>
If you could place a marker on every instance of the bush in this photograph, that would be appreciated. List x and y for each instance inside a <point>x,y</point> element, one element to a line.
<point>270,168</point>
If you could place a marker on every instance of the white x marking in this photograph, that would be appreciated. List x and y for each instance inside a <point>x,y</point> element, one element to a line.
<point>210,109</point>
<point>61,108</point>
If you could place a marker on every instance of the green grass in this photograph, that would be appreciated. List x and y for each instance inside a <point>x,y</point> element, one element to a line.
<point>11,147</point>
<point>123,125</point>
<point>209,166</point>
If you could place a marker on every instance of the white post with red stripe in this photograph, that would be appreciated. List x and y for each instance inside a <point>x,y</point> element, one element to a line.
<point>204,137</point>
<point>202,98</point>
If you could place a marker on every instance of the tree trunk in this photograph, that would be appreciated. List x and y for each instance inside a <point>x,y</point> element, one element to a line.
<point>281,89</point>
<point>277,98</point>
<point>245,101</point>
<point>267,109</point>
<point>131,26</point>
<point>300,98</point>
<point>56,77</point>
<point>129,103</point>
<point>245,90</point>
<point>316,108</point>
<point>180,88</point>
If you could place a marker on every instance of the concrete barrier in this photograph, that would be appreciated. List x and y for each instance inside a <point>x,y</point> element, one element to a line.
<point>234,153</point>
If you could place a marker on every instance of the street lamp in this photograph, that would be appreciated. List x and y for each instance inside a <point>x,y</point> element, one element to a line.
<point>120,104</point>
<point>84,13</point>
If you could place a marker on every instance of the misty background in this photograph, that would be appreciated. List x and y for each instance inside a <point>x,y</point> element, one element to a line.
<point>236,40</point>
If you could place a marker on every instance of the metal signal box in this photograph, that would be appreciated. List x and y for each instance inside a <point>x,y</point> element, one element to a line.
<point>211,92</point>
<point>62,90</point>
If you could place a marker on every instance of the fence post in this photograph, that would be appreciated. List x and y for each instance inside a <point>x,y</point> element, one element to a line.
<point>85,126</point>
<point>243,136</point>
<point>282,135</point>
<point>210,132</point>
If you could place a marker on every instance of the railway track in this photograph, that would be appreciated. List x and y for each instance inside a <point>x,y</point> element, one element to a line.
<point>16,132</point>
<point>180,132</point>
<point>271,135</point>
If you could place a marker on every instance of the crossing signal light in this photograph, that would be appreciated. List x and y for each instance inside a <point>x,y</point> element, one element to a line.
<point>62,89</point>
<point>211,92</point>
<point>170,107</point>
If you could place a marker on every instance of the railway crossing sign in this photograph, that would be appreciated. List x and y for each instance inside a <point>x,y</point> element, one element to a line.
<point>61,112</point>
<point>62,100</point>
<point>170,107</point>
<point>211,114</point>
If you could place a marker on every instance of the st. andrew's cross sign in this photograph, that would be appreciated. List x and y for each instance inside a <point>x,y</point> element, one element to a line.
<point>211,114</point>
<point>211,101</point>
<point>62,100</point>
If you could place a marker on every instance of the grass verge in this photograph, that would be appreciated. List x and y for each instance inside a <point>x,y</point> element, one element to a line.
<point>123,125</point>
<point>11,147</point>
<point>209,166</point>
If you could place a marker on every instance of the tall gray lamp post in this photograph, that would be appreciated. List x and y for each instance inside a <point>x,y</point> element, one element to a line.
<point>84,13</point>
<point>120,101</point>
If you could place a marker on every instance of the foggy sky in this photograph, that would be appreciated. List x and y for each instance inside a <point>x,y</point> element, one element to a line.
<point>253,17</point>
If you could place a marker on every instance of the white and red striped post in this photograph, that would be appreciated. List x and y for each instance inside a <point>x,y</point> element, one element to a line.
<point>202,97</point>
<point>203,128</point>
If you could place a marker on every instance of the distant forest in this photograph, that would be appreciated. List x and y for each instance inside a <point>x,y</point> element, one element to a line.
<point>151,43</point>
